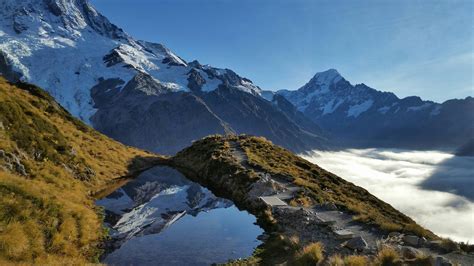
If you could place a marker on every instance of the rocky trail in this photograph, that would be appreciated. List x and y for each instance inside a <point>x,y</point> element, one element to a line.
<point>335,229</point>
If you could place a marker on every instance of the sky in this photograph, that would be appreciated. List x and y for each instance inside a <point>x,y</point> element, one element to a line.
<point>409,47</point>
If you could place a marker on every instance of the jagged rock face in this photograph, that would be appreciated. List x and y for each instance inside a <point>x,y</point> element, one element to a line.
<point>298,117</point>
<point>145,115</point>
<point>361,116</point>
<point>259,117</point>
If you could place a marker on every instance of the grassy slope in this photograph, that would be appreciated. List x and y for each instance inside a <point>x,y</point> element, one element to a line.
<point>210,161</point>
<point>48,216</point>
<point>323,186</point>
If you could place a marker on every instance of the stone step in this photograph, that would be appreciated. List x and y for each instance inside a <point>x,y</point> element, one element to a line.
<point>343,234</point>
<point>273,201</point>
<point>323,221</point>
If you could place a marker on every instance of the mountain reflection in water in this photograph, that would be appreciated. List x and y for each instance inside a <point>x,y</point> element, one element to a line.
<point>163,218</point>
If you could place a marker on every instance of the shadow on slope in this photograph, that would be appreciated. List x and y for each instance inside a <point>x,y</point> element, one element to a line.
<point>454,175</point>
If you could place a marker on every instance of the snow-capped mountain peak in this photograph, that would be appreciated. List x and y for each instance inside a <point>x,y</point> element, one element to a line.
<point>327,77</point>
<point>68,47</point>
<point>321,84</point>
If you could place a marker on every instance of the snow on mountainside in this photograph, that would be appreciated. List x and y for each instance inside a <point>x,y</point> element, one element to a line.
<point>137,92</point>
<point>361,116</point>
<point>328,92</point>
<point>67,47</point>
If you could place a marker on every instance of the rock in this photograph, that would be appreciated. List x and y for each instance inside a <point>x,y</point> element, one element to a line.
<point>330,206</point>
<point>265,186</point>
<point>394,234</point>
<point>423,242</point>
<point>410,252</point>
<point>343,234</point>
<point>20,168</point>
<point>263,237</point>
<point>13,163</point>
<point>441,261</point>
<point>195,80</point>
<point>411,240</point>
<point>357,243</point>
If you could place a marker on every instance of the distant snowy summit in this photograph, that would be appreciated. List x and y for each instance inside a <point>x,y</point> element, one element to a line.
<point>357,115</point>
<point>138,92</point>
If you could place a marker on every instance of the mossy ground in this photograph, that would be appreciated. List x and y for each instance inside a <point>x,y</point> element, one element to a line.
<point>48,216</point>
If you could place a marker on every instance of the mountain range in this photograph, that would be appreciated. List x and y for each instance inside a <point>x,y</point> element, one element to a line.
<point>360,116</point>
<point>144,95</point>
<point>137,92</point>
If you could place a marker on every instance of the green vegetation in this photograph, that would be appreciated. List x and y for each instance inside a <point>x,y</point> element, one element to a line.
<point>50,165</point>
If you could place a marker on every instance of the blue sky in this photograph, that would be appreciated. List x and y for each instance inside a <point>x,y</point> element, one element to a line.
<point>409,47</point>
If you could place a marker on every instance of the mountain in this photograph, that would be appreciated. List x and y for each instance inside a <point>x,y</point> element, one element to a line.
<point>137,92</point>
<point>359,116</point>
<point>50,164</point>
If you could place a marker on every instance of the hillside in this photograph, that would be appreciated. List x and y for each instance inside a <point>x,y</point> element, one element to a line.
<point>299,203</point>
<point>50,165</point>
<point>213,160</point>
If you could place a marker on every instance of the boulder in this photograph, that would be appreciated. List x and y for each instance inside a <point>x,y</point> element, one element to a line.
<point>410,252</point>
<point>441,261</point>
<point>330,206</point>
<point>357,243</point>
<point>411,240</point>
<point>394,234</point>
<point>423,242</point>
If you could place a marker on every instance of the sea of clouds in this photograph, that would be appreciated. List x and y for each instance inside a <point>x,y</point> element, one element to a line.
<point>434,188</point>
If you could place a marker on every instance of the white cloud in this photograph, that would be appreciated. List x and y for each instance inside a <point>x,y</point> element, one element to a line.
<point>402,178</point>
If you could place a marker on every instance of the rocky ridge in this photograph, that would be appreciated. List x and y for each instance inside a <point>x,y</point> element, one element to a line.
<point>296,211</point>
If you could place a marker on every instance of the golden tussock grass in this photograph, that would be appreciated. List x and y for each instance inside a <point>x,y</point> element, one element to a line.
<point>312,254</point>
<point>48,217</point>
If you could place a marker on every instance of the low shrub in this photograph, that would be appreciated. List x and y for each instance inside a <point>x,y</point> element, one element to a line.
<point>311,254</point>
<point>387,257</point>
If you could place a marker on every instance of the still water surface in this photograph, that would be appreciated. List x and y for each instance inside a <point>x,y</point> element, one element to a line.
<point>162,218</point>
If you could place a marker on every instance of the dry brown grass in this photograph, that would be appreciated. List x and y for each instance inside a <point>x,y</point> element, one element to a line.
<point>355,260</point>
<point>210,161</point>
<point>335,260</point>
<point>323,186</point>
<point>312,254</point>
<point>48,217</point>
<point>387,257</point>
